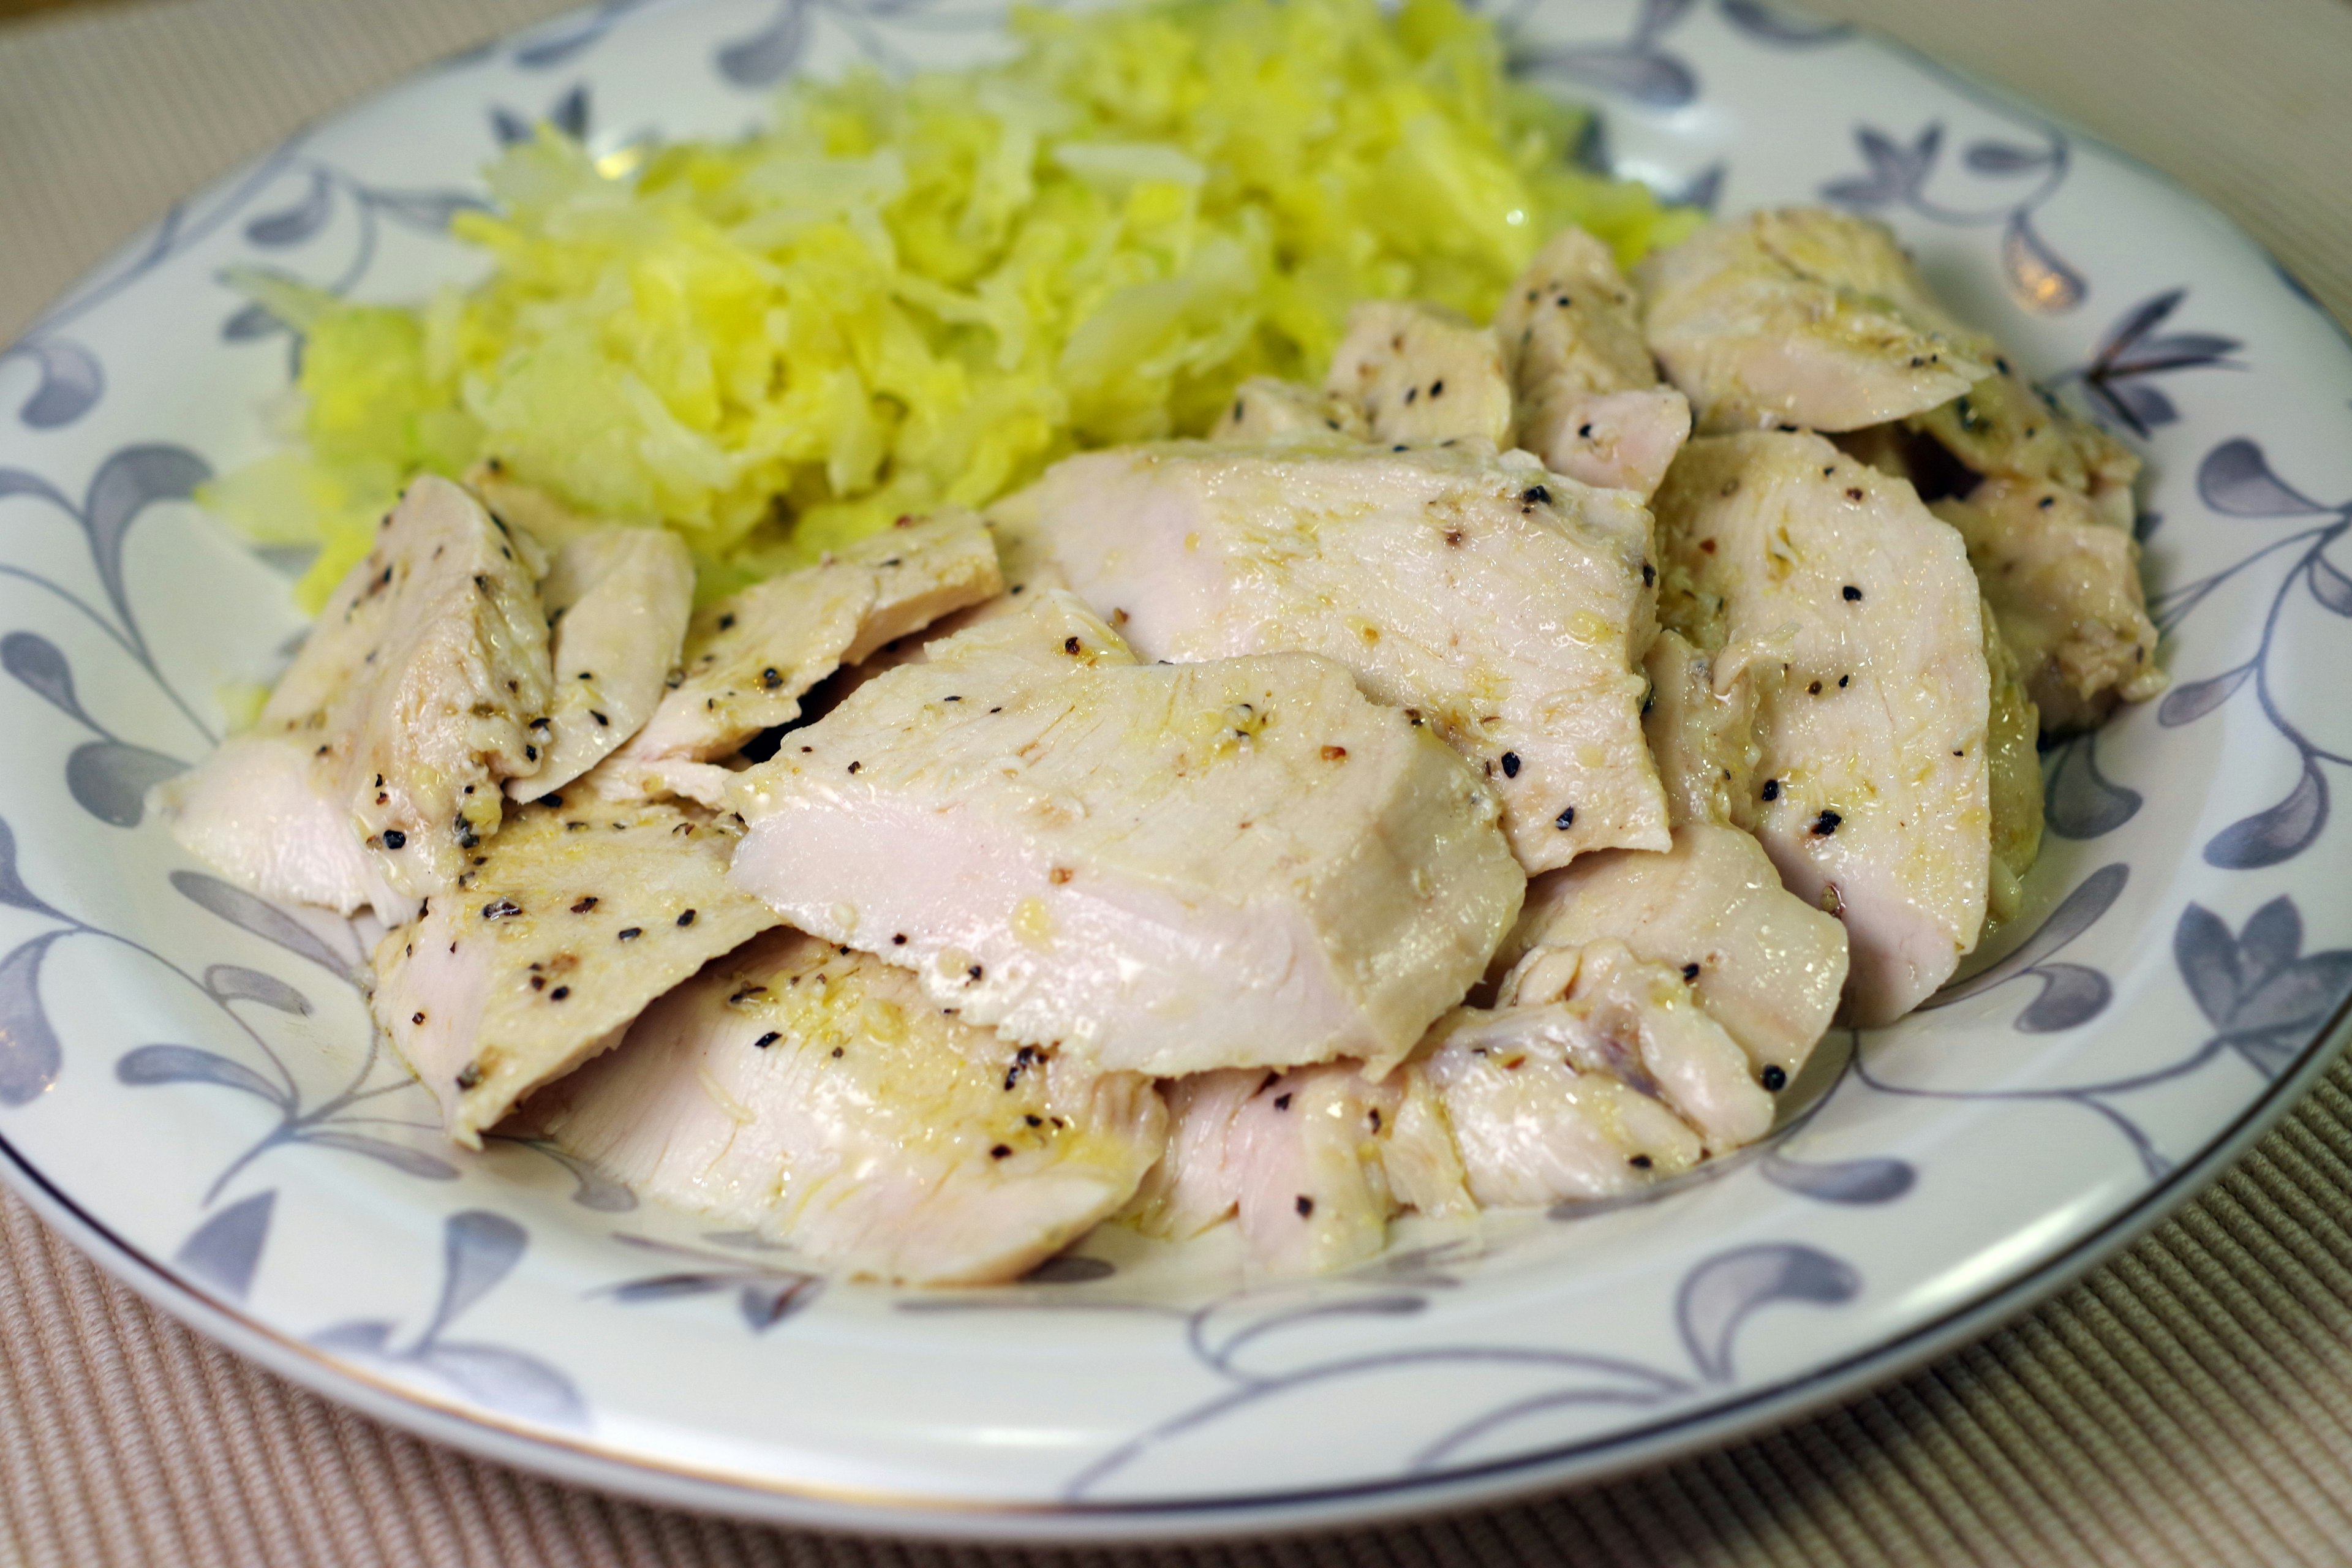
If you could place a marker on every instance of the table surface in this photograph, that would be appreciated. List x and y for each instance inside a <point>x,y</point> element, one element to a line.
<point>2191,1402</point>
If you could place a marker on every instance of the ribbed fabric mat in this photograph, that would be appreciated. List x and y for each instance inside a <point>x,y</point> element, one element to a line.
<point>2189,1403</point>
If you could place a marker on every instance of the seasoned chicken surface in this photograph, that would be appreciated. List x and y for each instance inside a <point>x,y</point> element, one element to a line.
<point>1802,316</point>
<point>750,658</point>
<point>1503,606</point>
<point>617,599</point>
<point>1587,399</point>
<point>1313,1161</point>
<point>255,811</point>
<point>1762,963</point>
<point>1873,795</point>
<point>1266,411</point>
<point>1168,869</point>
<point>560,931</point>
<point>2005,428</point>
<point>821,1098</point>
<point>2065,585</point>
<point>2012,779</point>
<point>421,688</point>
<point>1423,375</point>
<point>1701,725</point>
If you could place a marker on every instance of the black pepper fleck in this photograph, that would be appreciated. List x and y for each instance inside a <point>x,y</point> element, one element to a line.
<point>1775,1079</point>
<point>558,994</point>
<point>1690,971</point>
<point>764,1041</point>
<point>1853,595</point>
<point>500,909</point>
<point>628,933</point>
<point>1772,789</point>
<point>1826,824</point>
<point>393,838</point>
<point>1510,764</point>
<point>1640,1162</point>
<point>1306,1206</point>
<point>1001,1151</point>
<point>1565,819</point>
<point>1282,1102</point>
<point>686,918</point>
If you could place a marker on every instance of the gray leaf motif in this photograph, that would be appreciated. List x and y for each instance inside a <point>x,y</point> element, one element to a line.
<point>1718,1296</point>
<point>151,1065</point>
<point>224,1252</point>
<point>2280,833</point>
<point>428,212</point>
<point>297,222</point>
<point>1991,157</point>
<point>2039,278</point>
<point>2235,480</point>
<point>2262,996</point>
<point>552,46</point>
<point>264,919</point>
<point>1895,171</point>
<point>251,321</point>
<point>2187,704</point>
<point>399,1156</point>
<point>235,983</point>
<point>29,1052</point>
<point>2078,801</point>
<point>1634,71</point>
<point>125,485</point>
<point>109,779</point>
<point>2330,586</point>
<point>761,58</point>
<point>71,382</point>
<point>2070,994</point>
<point>1768,24</point>
<point>1875,1180</point>
<point>42,668</point>
<point>591,1188</point>
<point>479,1248</point>
<point>13,890</point>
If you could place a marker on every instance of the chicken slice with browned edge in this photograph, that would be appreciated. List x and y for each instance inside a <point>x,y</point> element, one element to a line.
<point>1423,375</point>
<point>1872,795</point>
<point>1266,411</point>
<point>1762,963</point>
<point>618,600</point>
<point>1164,869</point>
<point>421,688</point>
<point>1802,316</point>
<point>1587,399</point>
<point>818,1097</point>
<point>2005,427</point>
<point>561,929</point>
<point>1503,606</point>
<point>1313,1161</point>
<point>750,658</point>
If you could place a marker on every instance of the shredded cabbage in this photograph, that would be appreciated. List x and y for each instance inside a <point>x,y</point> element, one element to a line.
<point>912,292</point>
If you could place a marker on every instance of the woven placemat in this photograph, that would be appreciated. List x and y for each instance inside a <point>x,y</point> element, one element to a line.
<point>2189,1403</point>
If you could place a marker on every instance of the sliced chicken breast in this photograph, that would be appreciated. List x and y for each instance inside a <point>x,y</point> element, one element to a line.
<point>421,688</point>
<point>1700,721</point>
<point>1423,375</point>
<point>750,658</point>
<point>560,931</point>
<point>1588,401</point>
<point>1872,798</point>
<point>2005,427</point>
<point>1762,963</point>
<point>1313,1161</point>
<point>2065,585</point>
<point>255,812</point>
<point>617,599</point>
<point>818,1097</point>
<point>1163,869</point>
<point>1266,411</point>
<point>1503,606</point>
<point>1802,316</point>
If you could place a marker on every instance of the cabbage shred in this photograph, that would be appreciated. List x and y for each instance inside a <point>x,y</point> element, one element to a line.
<point>913,292</point>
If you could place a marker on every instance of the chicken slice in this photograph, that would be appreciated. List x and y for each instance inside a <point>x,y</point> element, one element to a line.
<point>256,813</point>
<point>1802,316</point>
<point>1164,869</point>
<point>750,658</point>
<point>1503,607</point>
<point>566,924</point>
<point>1700,721</point>
<point>2005,427</point>
<point>1264,411</point>
<point>1762,963</point>
<point>819,1097</point>
<point>618,600</point>
<point>1423,375</point>
<point>2012,780</point>
<point>1874,796</point>
<point>1314,1161</point>
<point>422,687</point>
<point>526,507</point>
<point>1587,399</point>
<point>2065,585</point>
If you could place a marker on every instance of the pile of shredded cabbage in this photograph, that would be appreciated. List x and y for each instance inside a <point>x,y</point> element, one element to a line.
<point>912,292</point>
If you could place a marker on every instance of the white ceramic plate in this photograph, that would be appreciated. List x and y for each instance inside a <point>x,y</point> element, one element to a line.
<point>186,1083</point>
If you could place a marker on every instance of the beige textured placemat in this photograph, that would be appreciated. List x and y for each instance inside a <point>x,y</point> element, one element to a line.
<point>2190,1404</point>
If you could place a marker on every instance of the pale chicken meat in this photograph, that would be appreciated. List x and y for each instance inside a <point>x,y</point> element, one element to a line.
<point>1311,1163</point>
<point>1802,316</point>
<point>617,601</point>
<point>1423,375</point>
<point>2006,429</point>
<point>1762,963</point>
<point>1165,868</point>
<point>820,1099</point>
<point>1266,411</point>
<point>558,932</point>
<point>1503,606</point>
<point>1700,721</point>
<point>1872,793</point>
<point>2064,585</point>
<point>1587,399</point>
<point>750,658</point>
<point>421,688</point>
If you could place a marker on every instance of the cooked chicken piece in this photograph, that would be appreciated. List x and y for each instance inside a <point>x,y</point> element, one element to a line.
<point>1314,1161</point>
<point>618,600</point>
<point>819,1097</point>
<point>1762,963</point>
<point>421,688</point>
<point>1423,375</point>
<point>1873,799</point>
<point>1700,721</point>
<point>527,507</point>
<point>1264,411</point>
<point>750,658</point>
<point>2006,429</point>
<point>2012,780</point>
<point>1596,1074</point>
<point>1166,869</point>
<point>1589,402</point>
<point>560,931</point>
<point>2065,585</point>
<point>1504,607</point>
<point>256,813</point>
<point>1802,316</point>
